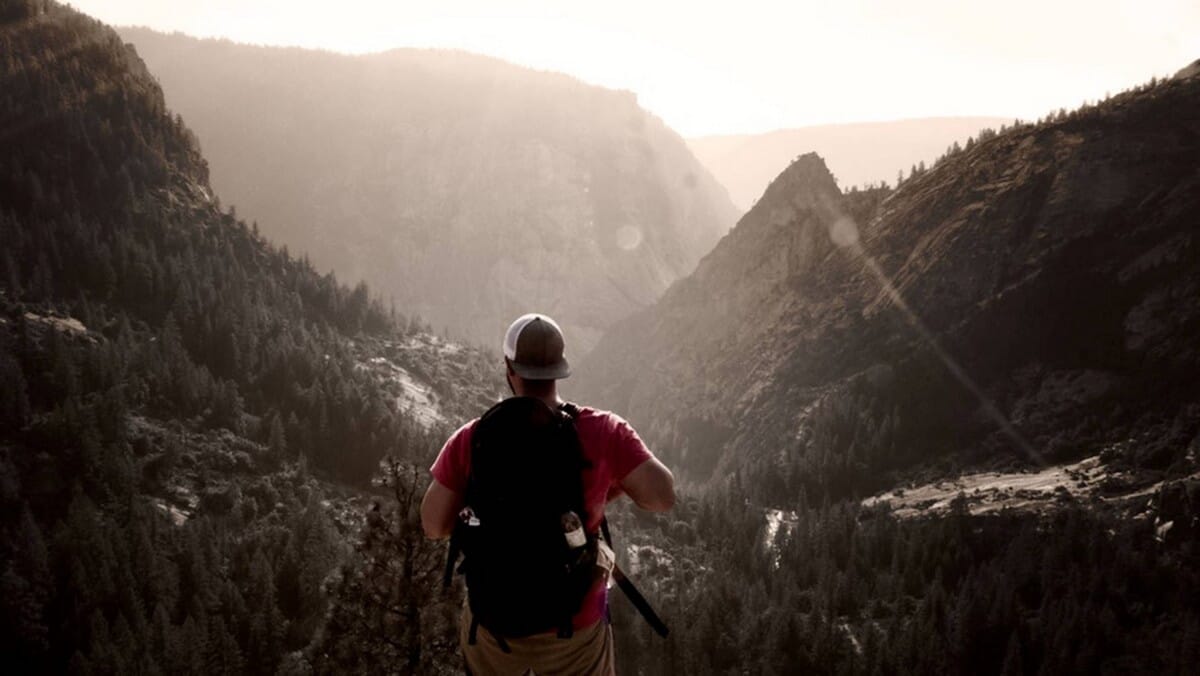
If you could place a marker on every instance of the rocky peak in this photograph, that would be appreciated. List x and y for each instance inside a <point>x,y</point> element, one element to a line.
<point>806,179</point>
<point>785,231</point>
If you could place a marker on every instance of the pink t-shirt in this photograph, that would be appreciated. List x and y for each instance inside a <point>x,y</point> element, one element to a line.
<point>612,447</point>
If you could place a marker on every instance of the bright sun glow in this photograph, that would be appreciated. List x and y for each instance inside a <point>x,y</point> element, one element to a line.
<point>751,66</point>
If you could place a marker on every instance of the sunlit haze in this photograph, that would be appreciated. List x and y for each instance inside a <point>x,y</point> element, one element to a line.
<point>753,66</point>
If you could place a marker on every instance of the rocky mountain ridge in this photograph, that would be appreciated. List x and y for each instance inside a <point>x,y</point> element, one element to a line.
<point>1030,294</point>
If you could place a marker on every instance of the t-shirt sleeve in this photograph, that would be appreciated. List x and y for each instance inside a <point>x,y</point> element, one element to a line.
<point>454,460</point>
<point>627,450</point>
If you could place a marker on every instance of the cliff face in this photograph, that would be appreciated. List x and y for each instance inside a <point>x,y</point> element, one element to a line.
<point>1049,276</point>
<point>691,365</point>
<point>468,189</point>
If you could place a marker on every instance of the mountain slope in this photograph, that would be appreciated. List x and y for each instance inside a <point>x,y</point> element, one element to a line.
<point>1052,266</point>
<point>857,154</point>
<point>1006,342</point>
<point>190,417</point>
<point>468,189</point>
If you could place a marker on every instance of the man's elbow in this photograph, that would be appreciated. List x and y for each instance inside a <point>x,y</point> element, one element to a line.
<point>434,530</point>
<point>662,503</point>
<point>436,533</point>
<point>662,499</point>
<point>439,511</point>
<point>651,486</point>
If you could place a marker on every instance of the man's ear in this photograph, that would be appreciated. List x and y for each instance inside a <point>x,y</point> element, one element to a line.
<point>509,376</point>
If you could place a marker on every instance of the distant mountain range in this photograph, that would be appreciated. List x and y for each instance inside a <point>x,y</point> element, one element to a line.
<point>467,189</point>
<point>857,154</point>
<point>1032,298</point>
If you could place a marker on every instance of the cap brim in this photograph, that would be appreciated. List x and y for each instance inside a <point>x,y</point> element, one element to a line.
<point>552,372</point>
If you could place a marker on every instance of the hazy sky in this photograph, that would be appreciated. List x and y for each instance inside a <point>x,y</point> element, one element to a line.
<point>751,66</point>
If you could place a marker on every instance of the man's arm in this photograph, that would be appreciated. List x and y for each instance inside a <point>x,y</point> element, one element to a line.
<point>651,486</point>
<point>439,509</point>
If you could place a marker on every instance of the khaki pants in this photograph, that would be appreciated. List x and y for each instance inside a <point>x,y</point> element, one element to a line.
<point>589,652</point>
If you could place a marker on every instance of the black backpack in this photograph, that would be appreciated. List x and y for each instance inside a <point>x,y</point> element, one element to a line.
<point>524,492</point>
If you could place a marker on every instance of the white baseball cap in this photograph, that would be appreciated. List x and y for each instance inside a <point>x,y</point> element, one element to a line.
<point>533,345</point>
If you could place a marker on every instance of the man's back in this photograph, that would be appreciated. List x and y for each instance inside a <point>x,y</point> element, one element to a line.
<point>612,450</point>
<point>617,463</point>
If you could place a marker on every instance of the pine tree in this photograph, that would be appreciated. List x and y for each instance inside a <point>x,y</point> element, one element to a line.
<point>1013,663</point>
<point>14,396</point>
<point>389,610</point>
<point>277,439</point>
<point>221,652</point>
<point>267,626</point>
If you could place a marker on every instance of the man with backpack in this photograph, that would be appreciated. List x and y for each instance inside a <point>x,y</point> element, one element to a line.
<point>521,493</point>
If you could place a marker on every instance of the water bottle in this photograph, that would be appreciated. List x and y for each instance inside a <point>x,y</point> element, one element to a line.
<point>573,530</point>
<point>467,516</point>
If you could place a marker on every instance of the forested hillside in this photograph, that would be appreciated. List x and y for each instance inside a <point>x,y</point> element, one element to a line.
<point>839,589</point>
<point>190,416</point>
<point>468,189</point>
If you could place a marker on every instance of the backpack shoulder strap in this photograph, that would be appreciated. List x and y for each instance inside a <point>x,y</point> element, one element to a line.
<point>570,413</point>
<point>631,591</point>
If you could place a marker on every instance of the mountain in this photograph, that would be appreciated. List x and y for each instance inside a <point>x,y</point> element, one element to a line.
<point>858,154</point>
<point>469,190</point>
<point>1029,300</point>
<point>948,428</point>
<point>192,422</point>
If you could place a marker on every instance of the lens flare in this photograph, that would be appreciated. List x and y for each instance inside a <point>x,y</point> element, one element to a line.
<point>629,237</point>
<point>845,234</point>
